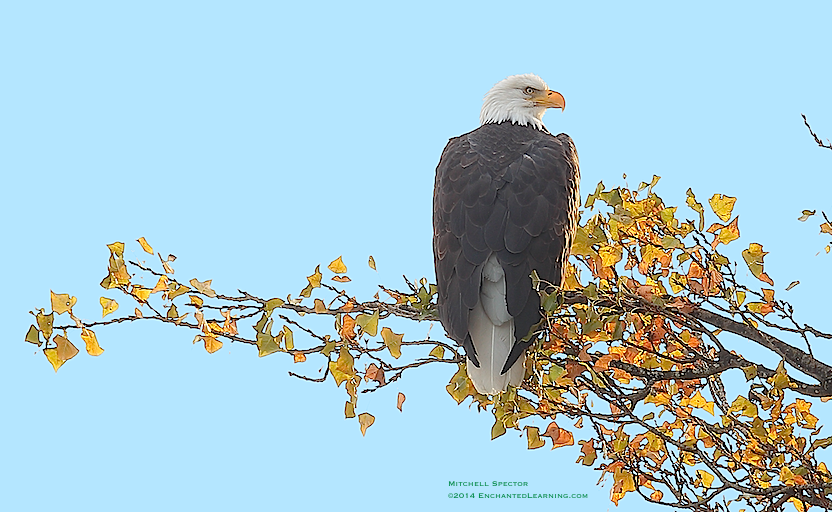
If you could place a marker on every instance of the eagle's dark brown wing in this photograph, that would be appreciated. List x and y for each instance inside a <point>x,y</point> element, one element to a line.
<point>512,191</point>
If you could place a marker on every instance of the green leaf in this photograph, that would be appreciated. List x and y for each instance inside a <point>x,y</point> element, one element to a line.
<point>368,323</point>
<point>438,352</point>
<point>32,336</point>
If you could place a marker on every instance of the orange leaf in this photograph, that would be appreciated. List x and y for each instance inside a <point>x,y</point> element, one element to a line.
<point>401,398</point>
<point>365,420</point>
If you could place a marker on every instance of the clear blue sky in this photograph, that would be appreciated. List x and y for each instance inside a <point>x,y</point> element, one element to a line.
<point>255,140</point>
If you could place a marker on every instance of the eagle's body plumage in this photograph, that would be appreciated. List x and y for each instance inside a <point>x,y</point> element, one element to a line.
<point>505,204</point>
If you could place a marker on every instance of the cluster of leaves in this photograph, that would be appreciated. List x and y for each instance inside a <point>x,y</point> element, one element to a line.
<point>632,346</point>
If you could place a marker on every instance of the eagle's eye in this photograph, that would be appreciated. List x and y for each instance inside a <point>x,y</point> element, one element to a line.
<point>529,90</point>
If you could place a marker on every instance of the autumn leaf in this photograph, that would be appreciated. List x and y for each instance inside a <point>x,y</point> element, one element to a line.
<point>212,344</point>
<point>374,373</point>
<point>349,409</point>
<point>559,436</point>
<point>805,215</point>
<point>792,285</point>
<point>372,263</point>
<point>107,306</point>
<point>368,323</point>
<point>588,453</point>
<point>347,330</point>
<point>175,290</point>
<point>706,478</point>
<point>722,206</point>
<point>91,341</point>
<point>52,356</point>
<point>744,406</point>
<point>299,357</point>
<point>145,245</point>
<point>341,279</point>
<point>826,228</point>
<point>62,302</point>
<point>392,341</point>
<point>314,282</point>
<point>289,337</point>
<point>400,400</point>
<point>697,207</point>
<point>161,285</point>
<point>140,292</point>
<point>338,266</point>
<point>342,369</point>
<point>438,352</point>
<point>203,287</point>
<point>753,257</point>
<point>273,303</point>
<point>699,402</point>
<point>725,234</point>
<point>32,336</point>
<point>533,438</point>
<point>365,420</point>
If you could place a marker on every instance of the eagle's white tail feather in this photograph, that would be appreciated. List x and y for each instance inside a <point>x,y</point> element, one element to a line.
<point>492,332</point>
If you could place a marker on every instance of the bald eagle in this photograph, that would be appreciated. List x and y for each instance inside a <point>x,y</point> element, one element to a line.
<point>505,203</point>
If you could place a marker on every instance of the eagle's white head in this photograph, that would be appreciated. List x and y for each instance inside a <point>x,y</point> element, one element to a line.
<point>521,99</point>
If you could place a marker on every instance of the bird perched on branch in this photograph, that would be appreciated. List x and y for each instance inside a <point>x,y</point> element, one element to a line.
<point>505,203</point>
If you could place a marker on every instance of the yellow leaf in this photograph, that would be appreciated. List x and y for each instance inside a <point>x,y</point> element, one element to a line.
<point>212,344</point>
<point>610,255</point>
<point>792,285</point>
<point>314,282</point>
<point>289,337</point>
<point>342,369</point>
<point>365,420</point>
<point>826,228</point>
<point>45,323</point>
<point>699,402</point>
<point>161,285</point>
<point>533,438</point>
<point>203,287</point>
<point>438,352</point>
<point>697,207</point>
<point>706,478</point>
<point>140,292</point>
<point>107,305</point>
<point>52,356</point>
<point>145,245</point>
<point>62,302</point>
<point>368,323</point>
<point>722,206</point>
<point>172,312</point>
<point>338,266</point>
<point>392,341</point>
<point>744,406</point>
<point>372,263</point>
<point>32,336</point>
<point>175,290</point>
<point>89,338</point>
<point>753,257</point>
<point>65,349</point>
<point>400,399</point>
<point>341,279</point>
<point>196,300</point>
<point>349,410</point>
<point>116,248</point>
<point>320,307</point>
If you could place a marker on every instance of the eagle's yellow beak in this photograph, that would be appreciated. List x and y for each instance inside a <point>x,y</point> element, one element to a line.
<point>549,99</point>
